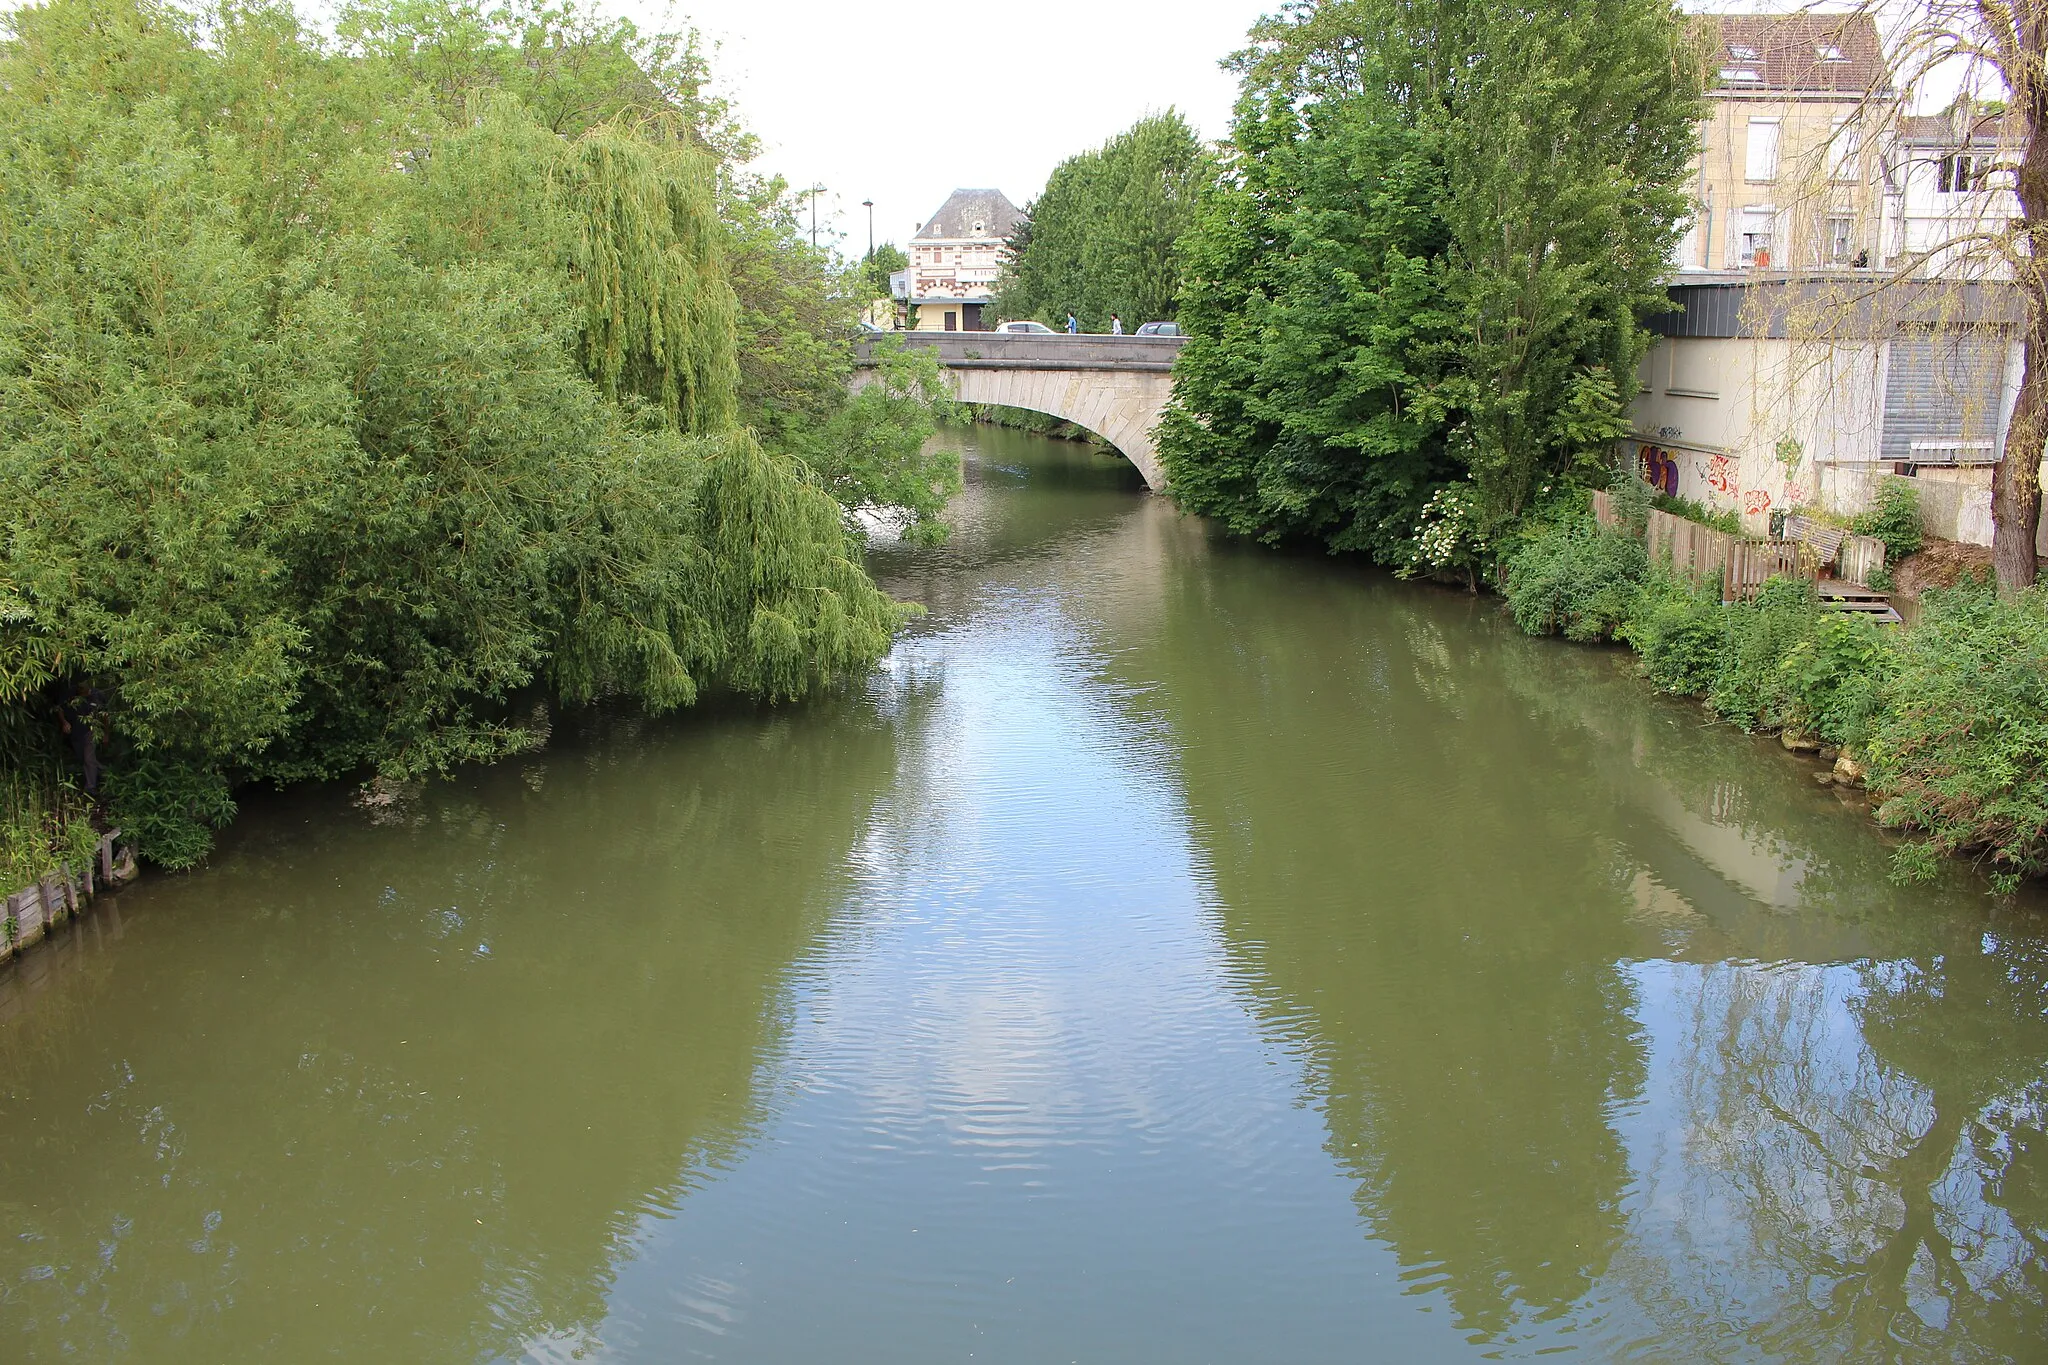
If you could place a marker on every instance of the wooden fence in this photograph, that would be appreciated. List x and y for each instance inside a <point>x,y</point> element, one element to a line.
<point>1861,557</point>
<point>34,911</point>
<point>1742,565</point>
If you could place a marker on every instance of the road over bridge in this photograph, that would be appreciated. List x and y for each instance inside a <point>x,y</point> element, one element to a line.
<point>1114,386</point>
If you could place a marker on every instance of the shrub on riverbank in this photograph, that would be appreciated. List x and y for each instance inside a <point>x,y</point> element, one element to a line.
<point>1894,519</point>
<point>1960,747</point>
<point>1951,714</point>
<point>1575,579</point>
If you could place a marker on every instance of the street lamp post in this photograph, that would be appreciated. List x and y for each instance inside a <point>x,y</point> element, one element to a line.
<point>869,205</point>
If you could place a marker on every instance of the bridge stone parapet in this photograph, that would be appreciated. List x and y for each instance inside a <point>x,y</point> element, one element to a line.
<point>1116,387</point>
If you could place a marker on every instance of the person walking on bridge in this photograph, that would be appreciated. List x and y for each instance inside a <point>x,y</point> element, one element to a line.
<point>1073,324</point>
<point>1116,325</point>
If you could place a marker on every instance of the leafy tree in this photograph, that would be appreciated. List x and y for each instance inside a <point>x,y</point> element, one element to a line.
<point>874,452</point>
<point>877,266</point>
<point>570,67</point>
<point>1426,261</point>
<point>348,409</point>
<point>1102,237</point>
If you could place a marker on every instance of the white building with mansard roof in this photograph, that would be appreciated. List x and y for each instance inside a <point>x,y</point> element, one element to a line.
<point>955,259</point>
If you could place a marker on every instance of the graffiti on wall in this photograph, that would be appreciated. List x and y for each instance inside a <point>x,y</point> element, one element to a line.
<point>1659,468</point>
<point>1720,473</point>
<point>1721,476</point>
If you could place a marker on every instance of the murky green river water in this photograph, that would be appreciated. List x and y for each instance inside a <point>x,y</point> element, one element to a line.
<point>1176,953</point>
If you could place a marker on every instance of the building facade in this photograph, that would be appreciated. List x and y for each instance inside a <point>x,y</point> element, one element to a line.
<point>1949,188</point>
<point>1800,366</point>
<point>955,259</point>
<point>1767,394</point>
<point>1785,177</point>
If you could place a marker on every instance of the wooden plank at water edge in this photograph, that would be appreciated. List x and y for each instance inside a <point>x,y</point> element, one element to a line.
<point>56,904</point>
<point>28,916</point>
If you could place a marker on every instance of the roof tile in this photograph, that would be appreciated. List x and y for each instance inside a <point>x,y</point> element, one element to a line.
<point>1809,52</point>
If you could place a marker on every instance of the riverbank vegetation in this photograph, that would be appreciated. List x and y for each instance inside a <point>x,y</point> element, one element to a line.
<point>362,397</point>
<point>1103,237</point>
<point>1946,721</point>
<point>1416,292</point>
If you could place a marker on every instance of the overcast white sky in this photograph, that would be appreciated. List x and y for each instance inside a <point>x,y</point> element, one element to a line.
<point>902,103</point>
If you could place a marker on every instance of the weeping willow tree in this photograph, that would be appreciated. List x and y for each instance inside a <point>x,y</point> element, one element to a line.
<point>768,595</point>
<point>792,606</point>
<point>659,311</point>
<point>347,418</point>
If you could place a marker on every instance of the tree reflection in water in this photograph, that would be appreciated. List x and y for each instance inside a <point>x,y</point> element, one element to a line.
<point>405,1085</point>
<point>1850,1164</point>
<point>1620,1025</point>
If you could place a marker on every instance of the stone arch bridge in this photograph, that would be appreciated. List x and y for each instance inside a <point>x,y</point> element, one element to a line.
<point>1114,386</point>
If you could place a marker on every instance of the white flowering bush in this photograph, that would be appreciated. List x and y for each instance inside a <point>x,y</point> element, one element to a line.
<point>1448,535</point>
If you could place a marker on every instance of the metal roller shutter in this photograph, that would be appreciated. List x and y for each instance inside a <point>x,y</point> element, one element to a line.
<point>1942,397</point>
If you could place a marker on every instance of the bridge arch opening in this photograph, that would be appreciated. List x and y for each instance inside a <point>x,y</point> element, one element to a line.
<point>1059,429</point>
<point>1115,387</point>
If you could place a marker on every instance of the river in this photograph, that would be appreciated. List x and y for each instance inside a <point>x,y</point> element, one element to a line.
<point>1176,952</point>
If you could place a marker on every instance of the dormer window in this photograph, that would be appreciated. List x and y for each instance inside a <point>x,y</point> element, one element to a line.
<point>1742,52</point>
<point>979,227</point>
<point>1738,75</point>
<point>1828,52</point>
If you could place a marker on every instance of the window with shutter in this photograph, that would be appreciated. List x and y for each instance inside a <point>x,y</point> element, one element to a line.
<point>1761,159</point>
<point>1842,151</point>
<point>1755,231</point>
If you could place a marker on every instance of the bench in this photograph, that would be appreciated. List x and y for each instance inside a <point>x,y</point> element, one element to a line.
<point>1824,540</point>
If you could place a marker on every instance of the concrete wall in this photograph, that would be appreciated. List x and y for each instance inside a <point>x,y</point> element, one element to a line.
<point>1954,504</point>
<point>1054,350</point>
<point>1712,412</point>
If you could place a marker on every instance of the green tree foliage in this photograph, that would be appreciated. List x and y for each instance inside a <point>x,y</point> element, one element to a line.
<point>348,408</point>
<point>1426,261</point>
<point>1961,749</point>
<point>1102,237</point>
<point>877,266</point>
<point>796,323</point>
<point>658,308</point>
<point>1894,519</point>
<point>570,68</point>
<point>873,452</point>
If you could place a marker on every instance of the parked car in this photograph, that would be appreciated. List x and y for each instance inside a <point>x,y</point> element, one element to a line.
<point>867,326</point>
<point>1159,329</point>
<point>1027,328</point>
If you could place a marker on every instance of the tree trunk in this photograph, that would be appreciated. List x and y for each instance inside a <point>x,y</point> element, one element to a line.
<point>2020,31</point>
<point>2016,482</point>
